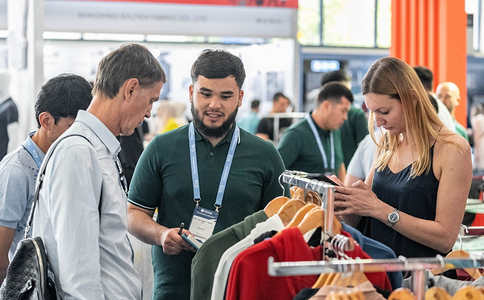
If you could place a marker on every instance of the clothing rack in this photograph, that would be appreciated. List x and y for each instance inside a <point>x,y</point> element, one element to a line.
<point>472,230</point>
<point>277,116</point>
<point>326,190</point>
<point>417,265</point>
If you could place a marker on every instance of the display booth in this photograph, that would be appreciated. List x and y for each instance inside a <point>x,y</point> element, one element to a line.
<point>77,34</point>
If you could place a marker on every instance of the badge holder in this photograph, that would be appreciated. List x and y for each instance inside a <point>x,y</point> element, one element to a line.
<point>203,222</point>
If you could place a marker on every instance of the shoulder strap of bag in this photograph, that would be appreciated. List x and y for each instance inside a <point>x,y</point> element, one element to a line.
<point>41,180</point>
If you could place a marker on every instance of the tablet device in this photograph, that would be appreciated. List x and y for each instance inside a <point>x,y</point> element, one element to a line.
<point>321,177</point>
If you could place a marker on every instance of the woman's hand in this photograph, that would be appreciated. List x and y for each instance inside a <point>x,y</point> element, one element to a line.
<point>356,200</point>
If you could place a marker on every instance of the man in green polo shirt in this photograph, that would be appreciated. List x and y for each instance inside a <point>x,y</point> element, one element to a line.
<point>229,172</point>
<point>314,144</point>
<point>355,128</point>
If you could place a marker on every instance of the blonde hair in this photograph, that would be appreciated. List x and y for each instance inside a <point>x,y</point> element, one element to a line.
<point>395,78</point>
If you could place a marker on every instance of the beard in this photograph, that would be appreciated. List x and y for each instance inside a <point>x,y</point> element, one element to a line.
<point>214,132</point>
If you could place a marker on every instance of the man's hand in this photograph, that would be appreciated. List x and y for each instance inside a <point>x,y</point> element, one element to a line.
<point>173,243</point>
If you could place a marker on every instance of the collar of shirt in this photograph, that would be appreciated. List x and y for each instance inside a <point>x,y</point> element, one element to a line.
<point>40,152</point>
<point>226,139</point>
<point>100,130</point>
<point>322,131</point>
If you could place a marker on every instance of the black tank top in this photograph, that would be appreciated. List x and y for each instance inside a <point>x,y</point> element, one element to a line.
<point>414,196</point>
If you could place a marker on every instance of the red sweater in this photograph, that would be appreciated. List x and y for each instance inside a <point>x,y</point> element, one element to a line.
<point>249,279</point>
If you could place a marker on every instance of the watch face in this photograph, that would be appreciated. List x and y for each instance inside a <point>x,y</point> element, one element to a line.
<point>393,217</point>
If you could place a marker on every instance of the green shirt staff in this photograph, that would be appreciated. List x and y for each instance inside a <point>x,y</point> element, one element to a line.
<point>162,180</point>
<point>299,149</point>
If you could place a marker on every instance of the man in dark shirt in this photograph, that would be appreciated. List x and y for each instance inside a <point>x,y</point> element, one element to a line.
<point>265,129</point>
<point>8,116</point>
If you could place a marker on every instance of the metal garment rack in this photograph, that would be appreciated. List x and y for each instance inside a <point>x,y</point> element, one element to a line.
<point>472,230</point>
<point>326,190</point>
<point>278,116</point>
<point>416,265</point>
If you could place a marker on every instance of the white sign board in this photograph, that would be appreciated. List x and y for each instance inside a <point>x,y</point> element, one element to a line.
<point>170,19</point>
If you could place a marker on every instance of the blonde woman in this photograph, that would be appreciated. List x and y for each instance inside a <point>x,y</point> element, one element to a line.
<point>415,195</point>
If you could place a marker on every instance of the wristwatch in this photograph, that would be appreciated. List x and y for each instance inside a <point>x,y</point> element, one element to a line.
<point>393,217</point>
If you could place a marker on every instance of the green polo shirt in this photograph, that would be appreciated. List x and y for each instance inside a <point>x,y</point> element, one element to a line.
<point>461,130</point>
<point>353,130</point>
<point>162,179</point>
<point>299,149</point>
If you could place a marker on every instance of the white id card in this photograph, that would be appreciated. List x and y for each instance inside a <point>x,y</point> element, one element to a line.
<point>203,223</point>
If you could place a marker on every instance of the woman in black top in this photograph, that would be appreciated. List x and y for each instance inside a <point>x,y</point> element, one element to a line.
<point>416,193</point>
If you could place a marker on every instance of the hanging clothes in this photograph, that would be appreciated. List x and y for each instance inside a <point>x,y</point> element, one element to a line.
<point>206,259</point>
<point>248,281</point>
<point>222,273</point>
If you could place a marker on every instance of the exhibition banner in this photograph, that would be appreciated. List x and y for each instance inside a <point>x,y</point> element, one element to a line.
<point>259,3</point>
<point>170,19</point>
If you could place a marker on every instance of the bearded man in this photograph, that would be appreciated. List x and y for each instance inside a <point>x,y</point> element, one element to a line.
<point>209,174</point>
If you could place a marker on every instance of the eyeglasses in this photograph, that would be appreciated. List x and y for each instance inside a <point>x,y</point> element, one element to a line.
<point>122,178</point>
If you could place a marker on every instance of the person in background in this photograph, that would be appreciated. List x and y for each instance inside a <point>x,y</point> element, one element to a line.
<point>355,127</point>
<point>449,94</point>
<point>314,144</point>
<point>265,129</point>
<point>427,79</point>
<point>414,198</point>
<point>8,116</point>
<point>250,122</point>
<point>169,116</point>
<point>58,102</point>
<point>477,121</point>
<point>212,145</point>
<point>81,211</point>
<point>131,148</point>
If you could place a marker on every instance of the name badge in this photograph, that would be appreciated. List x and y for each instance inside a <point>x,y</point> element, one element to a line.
<point>203,223</point>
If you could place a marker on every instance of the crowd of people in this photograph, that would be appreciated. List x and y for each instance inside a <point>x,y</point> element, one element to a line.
<point>396,181</point>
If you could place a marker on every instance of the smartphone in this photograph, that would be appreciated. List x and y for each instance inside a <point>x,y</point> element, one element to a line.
<point>192,241</point>
<point>322,177</point>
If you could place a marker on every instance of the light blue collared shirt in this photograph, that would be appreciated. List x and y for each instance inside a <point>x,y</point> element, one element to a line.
<point>88,263</point>
<point>18,174</point>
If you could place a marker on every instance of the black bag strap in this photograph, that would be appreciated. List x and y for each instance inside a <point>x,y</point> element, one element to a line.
<point>41,180</point>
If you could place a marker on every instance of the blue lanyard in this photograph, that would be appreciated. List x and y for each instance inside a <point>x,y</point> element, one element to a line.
<point>320,145</point>
<point>225,174</point>
<point>29,146</point>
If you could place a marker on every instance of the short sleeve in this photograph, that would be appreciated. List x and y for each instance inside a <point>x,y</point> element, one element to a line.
<point>14,195</point>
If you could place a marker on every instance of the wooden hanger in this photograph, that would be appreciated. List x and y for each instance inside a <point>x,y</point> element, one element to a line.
<point>332,296</point>
<point>313,219</point>
<point>437,293</point>
<point>298,194</point>
<point>337,227</point>
<point>356,294</point>
<point>344,295</point>
<point>468,292</point>
<point>301,213</point>
<point>323,279</point>
<point>356,278</point>
<point>313,197</point>
<point>473,272</point>
<point>274,205</point>
<point>289,210</point>
<point>402,294</point>
<point>293,191</point>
